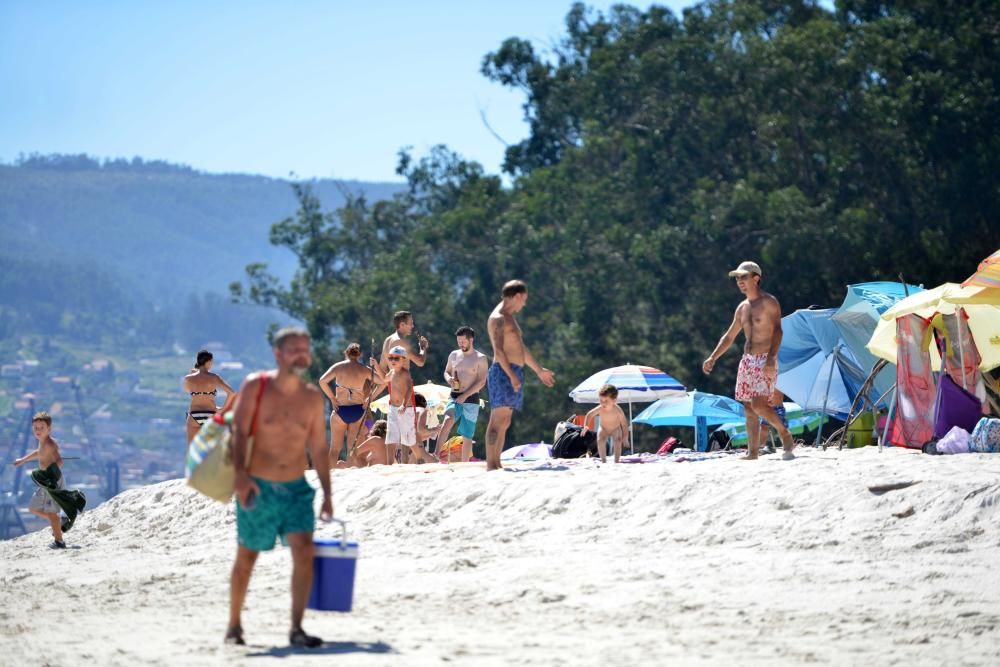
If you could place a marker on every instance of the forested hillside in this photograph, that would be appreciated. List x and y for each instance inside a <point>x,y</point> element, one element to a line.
<point>831,147</point>
<point>129,250</point>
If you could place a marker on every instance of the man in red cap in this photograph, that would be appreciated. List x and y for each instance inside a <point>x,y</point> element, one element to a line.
<point>759,317</point>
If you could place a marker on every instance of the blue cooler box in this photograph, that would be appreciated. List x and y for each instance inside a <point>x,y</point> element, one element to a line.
<point>333,574</point>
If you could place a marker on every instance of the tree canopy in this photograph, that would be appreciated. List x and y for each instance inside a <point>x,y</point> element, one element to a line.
<point>831,147</point>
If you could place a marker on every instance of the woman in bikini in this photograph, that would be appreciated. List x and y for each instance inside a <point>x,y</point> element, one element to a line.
<point>204,386</point>
<point>349,385</point>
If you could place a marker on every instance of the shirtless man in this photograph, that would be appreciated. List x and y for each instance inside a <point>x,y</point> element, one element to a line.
<point>402,419</point>
<point>42,504</point>
<point>505,380</point>
<point>349,385</point>
<point>759,317</point>
<point>404,327</point>
<point>465,373</point>
<point>273,497</point>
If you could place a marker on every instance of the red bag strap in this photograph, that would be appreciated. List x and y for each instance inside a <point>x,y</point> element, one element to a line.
<point>264,377</point>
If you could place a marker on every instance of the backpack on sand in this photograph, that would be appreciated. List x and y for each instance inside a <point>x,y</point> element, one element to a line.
<point>572,444</point>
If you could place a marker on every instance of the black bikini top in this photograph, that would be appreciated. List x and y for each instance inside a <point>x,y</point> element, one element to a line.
<point>204,393</point>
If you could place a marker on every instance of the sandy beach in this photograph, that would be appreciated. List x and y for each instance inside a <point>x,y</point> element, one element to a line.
<point>550,563</point>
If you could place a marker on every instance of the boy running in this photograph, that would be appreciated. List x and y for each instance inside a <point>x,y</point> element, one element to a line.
<point>42,504</point>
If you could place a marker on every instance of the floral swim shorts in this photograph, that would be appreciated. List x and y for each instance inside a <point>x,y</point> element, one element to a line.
<point>751,381</point>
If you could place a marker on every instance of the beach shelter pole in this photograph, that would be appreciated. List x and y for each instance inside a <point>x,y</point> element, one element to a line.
<point>829,382</point>
<point>961,351</point>
<point>888,419</point>
<point>631,429</point>
<point>701,434</point>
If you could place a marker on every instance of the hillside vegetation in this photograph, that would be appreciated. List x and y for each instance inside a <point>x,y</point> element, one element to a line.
<point>832,147</point>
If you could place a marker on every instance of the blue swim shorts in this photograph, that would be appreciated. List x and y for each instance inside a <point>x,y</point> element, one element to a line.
<point>502,394</point>
<point>282,508</point>
<point>466,415</point>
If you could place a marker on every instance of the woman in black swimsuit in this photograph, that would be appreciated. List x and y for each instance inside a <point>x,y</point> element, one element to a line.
<point>203,385</point>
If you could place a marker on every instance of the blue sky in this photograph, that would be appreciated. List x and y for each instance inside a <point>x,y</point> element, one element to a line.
<point>321,89</point>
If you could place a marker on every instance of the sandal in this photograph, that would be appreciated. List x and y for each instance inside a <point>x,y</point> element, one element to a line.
<point>298,637</point>
<point>234,635</point>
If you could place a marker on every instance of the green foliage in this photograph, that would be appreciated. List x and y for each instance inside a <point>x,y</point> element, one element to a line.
<point>833,147</point>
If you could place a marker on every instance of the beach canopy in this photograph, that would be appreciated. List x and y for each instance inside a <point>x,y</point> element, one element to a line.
<point>695,408</point>
<point>816,367</point>
<point>981,306</point>
<point>858,316</point>
<point>988,273</point>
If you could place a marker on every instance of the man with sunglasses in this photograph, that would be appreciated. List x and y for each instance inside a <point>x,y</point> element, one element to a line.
<point>759,318</point>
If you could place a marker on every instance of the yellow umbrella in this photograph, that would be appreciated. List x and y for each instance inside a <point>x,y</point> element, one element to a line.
<point>988,273</point>
<point>981,305</point>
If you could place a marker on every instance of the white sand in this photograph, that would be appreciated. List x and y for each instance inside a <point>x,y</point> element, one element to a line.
<point>715,562</point>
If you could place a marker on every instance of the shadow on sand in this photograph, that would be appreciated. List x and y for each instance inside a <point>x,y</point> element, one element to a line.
<point>544,466</point>
<point>328,648</point>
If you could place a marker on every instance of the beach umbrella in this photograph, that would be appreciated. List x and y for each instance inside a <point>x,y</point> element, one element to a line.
<point>535,450</point>
<point>858,316</point>
<point>696,409</point>
<point>635,384</point>
<point>982,310</point>
<point>988,273</point>
<point>816,367</point>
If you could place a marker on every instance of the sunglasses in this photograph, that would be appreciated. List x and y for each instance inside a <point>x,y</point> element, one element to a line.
<point>391,358</point>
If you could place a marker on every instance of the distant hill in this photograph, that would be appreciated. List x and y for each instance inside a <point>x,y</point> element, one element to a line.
<point>139,253</point>
<point>164,229</point>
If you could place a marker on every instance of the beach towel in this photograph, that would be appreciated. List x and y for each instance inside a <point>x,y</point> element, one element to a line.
<point>913,418</point>
<point>72,501</point>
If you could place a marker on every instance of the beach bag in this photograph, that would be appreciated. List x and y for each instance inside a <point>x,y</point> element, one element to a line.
<point>209,469</point>
<point>986,436</point>
<point>955,441</point>
<point>572,444</point>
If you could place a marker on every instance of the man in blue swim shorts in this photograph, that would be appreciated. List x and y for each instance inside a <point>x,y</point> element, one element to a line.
<point>465,373</point>
<point>505,381</point>
<point>283,415</point>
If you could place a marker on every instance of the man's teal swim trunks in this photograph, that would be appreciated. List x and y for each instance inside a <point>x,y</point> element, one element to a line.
<point>281,508</point>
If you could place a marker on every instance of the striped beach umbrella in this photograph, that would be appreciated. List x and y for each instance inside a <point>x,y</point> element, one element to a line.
<point>988,273</point>
<point>635,384</point>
